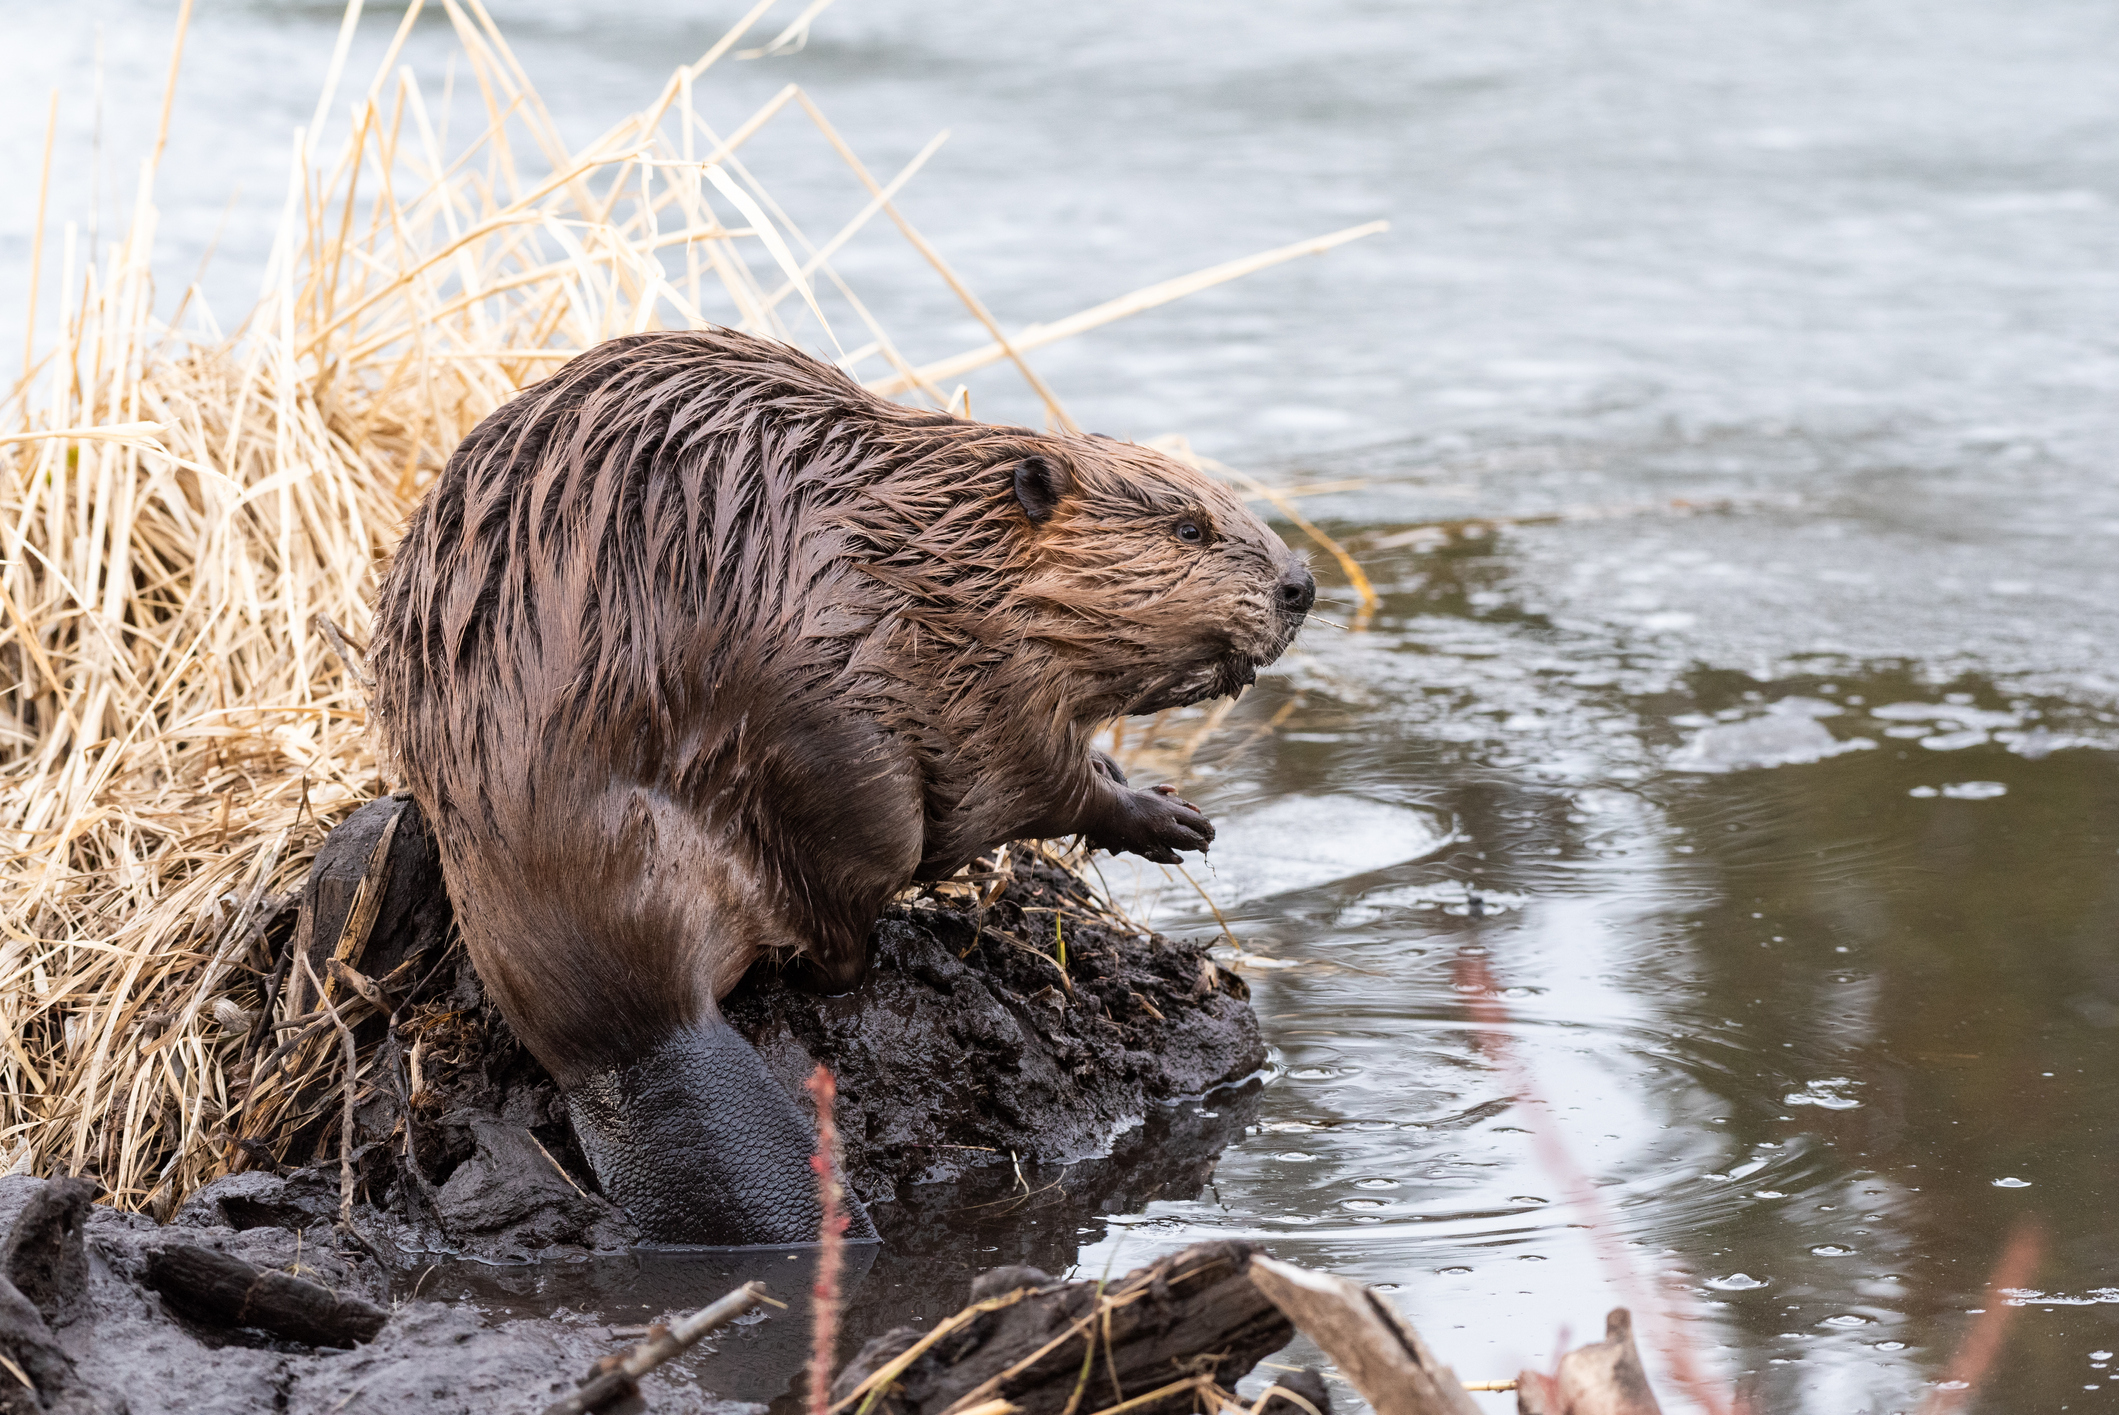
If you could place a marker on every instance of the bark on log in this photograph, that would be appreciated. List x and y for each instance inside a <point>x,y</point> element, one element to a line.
<point>217,1290</point>
<point>1158,1336</point>
<point>1375,1348</point>
<point>1604,1378</point>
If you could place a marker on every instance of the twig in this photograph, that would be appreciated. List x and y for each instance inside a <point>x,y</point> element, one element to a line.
<point>556,1164</point>
<point>355,661</point>
<point>345,1132</point>
<point>1188,1383</point>
<point>831,1242</point>
<point>624,1376</point>
<point>880,1379</point>
<point>2015,1268</point>
<point>1491,1020</point>
<point>1219,917</point>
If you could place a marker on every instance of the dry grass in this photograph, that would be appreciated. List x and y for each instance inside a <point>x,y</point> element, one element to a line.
<point>180,508</point>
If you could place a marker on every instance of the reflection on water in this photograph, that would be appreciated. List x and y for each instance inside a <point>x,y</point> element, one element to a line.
<point>1813,976</point>
<point>936,1239</point>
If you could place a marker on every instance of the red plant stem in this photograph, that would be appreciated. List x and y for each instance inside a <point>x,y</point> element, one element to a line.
<point>2015,1268</point>
<point>1491,1020</point>
<point>831,1242</point>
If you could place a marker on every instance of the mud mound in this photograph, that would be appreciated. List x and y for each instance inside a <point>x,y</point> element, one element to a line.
<point>1014,1023</point>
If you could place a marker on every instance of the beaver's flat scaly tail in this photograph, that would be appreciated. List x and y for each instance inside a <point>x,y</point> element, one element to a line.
<point>698,1142</point>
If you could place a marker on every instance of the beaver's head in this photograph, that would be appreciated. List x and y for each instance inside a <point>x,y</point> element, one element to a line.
<point>1160,576</point>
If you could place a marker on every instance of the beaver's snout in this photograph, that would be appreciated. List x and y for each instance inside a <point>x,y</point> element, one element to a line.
<point>1298,590</point>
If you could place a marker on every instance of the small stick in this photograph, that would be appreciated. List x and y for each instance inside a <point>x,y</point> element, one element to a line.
<point>831,1242</point>
<point>1188,1383</point>
<point>624,1377</point>
<point>556,1165</point>
<point>880,1379</point>
<point>355,661</point>
<point>345,1129</point>
<point>1219,917</point>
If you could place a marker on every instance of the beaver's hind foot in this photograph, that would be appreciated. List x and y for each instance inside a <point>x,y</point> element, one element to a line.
<point>700,1145</point>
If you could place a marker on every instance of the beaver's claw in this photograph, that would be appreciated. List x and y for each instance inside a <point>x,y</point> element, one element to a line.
<point>1157,825</point>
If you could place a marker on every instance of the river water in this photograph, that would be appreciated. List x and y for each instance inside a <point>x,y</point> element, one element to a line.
<point>1719,817</point>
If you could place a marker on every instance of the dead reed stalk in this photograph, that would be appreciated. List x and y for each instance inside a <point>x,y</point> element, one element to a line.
<point>831,1243</point>
<point>178,507</point>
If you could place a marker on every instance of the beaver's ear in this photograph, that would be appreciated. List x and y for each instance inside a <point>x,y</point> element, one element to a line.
<point>1040,482</point>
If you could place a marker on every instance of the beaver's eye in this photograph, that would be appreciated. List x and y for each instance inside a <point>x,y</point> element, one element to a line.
<point>1190,533</point>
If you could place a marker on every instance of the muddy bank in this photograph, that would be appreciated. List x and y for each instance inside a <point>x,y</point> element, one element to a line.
<point>1016,1061</point>
<point>106,1313</point>
<point>937,1240</point>
<point>83,1314</point>
<point>1006,1022</point>
<point>106,1331</point>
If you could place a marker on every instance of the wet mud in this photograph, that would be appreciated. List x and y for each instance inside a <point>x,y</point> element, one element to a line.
<point>1012,1021</point>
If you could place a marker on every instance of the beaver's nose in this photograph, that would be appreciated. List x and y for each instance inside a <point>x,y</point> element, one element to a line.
<point>1298,589</point>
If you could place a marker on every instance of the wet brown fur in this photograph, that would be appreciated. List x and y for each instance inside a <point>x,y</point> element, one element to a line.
<point>699,650</point>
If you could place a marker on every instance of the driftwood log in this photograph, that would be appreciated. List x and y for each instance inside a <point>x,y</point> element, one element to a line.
<point>1154,1341</point>
<point>218,1290</point>
<point>1604,1378</point>
<point>1374,1347</point>
<point>1378,1350</point>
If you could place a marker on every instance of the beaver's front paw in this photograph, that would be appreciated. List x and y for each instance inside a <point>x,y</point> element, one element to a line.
<point>1157,825</point>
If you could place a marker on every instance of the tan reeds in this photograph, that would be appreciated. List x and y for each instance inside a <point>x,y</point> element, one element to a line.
<point>179,507</point>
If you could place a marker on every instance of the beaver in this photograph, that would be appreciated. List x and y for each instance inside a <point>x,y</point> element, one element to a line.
<point>697,652</point>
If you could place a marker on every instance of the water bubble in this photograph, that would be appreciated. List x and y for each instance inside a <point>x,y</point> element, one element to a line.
<point>1890,1345</point>
<point>1925,793</point>
<point>2012,1183</point>
<point>1294,1157</point>
<point>1453,1272</point>
<point>1845,1319</point>
<point>1531,1258</point>
<point>2100,1355</point>
<point>1830,1250</point>
<point>1364,1204</point>
<point>1975,790</point>
<point>1825,1094</point>
<point>1527,1199</point>
<point>1313,1073</point>
<point>1735,1282</point>
<point>1376,1183</point>
<point>1768,1194</point>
